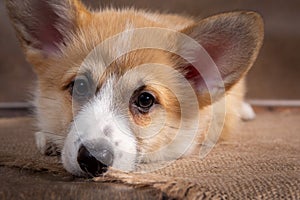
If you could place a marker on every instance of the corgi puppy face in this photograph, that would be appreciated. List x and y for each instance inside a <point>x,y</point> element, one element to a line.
<point>120,87</point>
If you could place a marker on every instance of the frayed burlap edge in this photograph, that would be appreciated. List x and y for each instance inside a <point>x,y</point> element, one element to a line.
<point>174,188</point>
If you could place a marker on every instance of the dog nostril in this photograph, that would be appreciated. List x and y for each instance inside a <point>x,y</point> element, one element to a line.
<point>89,164</point>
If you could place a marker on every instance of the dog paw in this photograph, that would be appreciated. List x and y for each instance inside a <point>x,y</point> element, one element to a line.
<point>247,113</point>
<point>46,144</point>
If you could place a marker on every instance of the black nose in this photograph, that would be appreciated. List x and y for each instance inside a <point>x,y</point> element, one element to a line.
<point>89,164</point>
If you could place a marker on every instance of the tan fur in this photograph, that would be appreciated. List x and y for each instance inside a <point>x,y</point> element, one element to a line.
<point>55,72</point>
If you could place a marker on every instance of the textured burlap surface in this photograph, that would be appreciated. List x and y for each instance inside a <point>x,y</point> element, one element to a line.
<point>262,160</point>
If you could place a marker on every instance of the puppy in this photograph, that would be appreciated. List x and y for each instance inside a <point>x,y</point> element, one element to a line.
<point>117,88</point>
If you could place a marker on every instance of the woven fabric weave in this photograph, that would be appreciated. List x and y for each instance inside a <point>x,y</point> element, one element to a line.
<point>262,160</point>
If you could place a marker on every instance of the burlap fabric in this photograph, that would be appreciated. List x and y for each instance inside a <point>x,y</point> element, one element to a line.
<point>261,161</point>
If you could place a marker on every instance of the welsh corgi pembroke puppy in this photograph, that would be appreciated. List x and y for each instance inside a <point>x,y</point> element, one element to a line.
<point>121,87</point>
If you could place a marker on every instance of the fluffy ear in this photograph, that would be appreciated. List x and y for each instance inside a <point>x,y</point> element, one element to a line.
<point>232,41</point>
<point>43,25</point>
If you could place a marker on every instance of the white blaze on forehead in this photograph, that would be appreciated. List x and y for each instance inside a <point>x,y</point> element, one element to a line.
<point>103,54</point>
<point>102,119</point>
<point>123,42</point>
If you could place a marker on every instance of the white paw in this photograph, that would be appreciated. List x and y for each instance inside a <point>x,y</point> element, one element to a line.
<point>48,144</point>
<point>40,141</point>
<point>247,113</point>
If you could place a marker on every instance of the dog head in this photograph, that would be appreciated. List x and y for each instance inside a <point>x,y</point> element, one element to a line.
<point>126,86</point>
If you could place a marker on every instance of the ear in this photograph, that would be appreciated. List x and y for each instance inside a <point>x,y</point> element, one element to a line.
<point>232,41</point>
<point>43,25</point>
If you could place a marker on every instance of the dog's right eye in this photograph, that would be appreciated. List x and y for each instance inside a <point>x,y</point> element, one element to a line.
<point>80,89</point>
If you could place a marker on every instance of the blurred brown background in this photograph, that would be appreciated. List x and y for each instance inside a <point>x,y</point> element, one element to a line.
<point>276,74</point>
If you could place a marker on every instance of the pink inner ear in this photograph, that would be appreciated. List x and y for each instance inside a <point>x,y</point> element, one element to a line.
<point>216,51</point>
<point>49,38</point>
<point>219,50</point>
<point>207,69</point>
<point>208,62</point>
<point>194,77</point>
<point>45,30</point>
<point>191,72</point>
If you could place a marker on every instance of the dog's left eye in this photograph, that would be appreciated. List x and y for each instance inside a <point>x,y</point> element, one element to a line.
<point>80,89</point>
<point>145,101</point>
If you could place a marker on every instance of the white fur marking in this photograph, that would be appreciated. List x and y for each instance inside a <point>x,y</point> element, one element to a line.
<point>123,42</point>
<point>40,141</point>
<point>89,126</point>
<point>247,112</point>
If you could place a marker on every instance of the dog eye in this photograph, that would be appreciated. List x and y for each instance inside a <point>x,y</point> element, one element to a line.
<point>81,89</point>
<point>145,101</point>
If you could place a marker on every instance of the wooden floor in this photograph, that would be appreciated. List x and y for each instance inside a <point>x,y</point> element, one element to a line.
<point>16,183</point>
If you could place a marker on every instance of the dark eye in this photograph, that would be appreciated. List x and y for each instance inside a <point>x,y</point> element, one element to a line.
<point>145,101</point>
<point>81,89</point>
